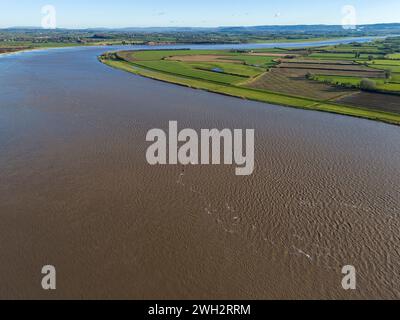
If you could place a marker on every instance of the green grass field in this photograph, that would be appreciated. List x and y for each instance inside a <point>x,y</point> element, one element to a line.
<point>187,70</point>
<point>385,62</point>
<point>343,56</point>
<point>395,78</point>
<point>381,84</point>
<point>394,56</point>
<point>391,65</point>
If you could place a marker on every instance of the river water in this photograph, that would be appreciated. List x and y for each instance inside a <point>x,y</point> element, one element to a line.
<point>76,192</point>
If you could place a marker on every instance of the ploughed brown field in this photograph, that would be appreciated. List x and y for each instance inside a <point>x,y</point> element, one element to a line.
<point>372,100</point>
<point>294,82</point>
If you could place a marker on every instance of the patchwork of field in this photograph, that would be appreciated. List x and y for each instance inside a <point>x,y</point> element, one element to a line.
<point>249,60</point>
<point>216,66</point>
<point>383,81</point>
<point>290,77</point>
<point>328,78</point>
<point>200,56</point>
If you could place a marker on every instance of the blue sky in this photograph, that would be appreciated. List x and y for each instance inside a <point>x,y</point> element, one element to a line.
<point>205,13</point>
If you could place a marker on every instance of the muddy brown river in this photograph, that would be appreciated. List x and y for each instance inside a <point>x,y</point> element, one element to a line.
<point>76,192</point>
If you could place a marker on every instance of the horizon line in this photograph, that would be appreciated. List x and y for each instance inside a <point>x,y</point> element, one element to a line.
<point>195,27</point>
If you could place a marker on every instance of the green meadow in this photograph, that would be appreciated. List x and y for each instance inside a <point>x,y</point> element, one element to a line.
<point>189,71</point>
<point>394,56</point>
<point>382,84</point>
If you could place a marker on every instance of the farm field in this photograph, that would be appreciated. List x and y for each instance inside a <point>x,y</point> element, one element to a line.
<point>381,84</point>
<point>294,82</point>
<point>395,77</point>
<point>324,78</point>
<point>344,56</point>
<point>392,68</point>
<point>187,70</point>
<point>333,66</point>
<point>229,68</point>
<point>353,48</point>
<point>394,56</point>
<point>373,100</point>
<point>384,62</point>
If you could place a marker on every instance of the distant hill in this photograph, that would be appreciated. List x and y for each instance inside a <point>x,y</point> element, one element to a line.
<point>268,28</point>
<point>310,28</point>
<point>377,28</point>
